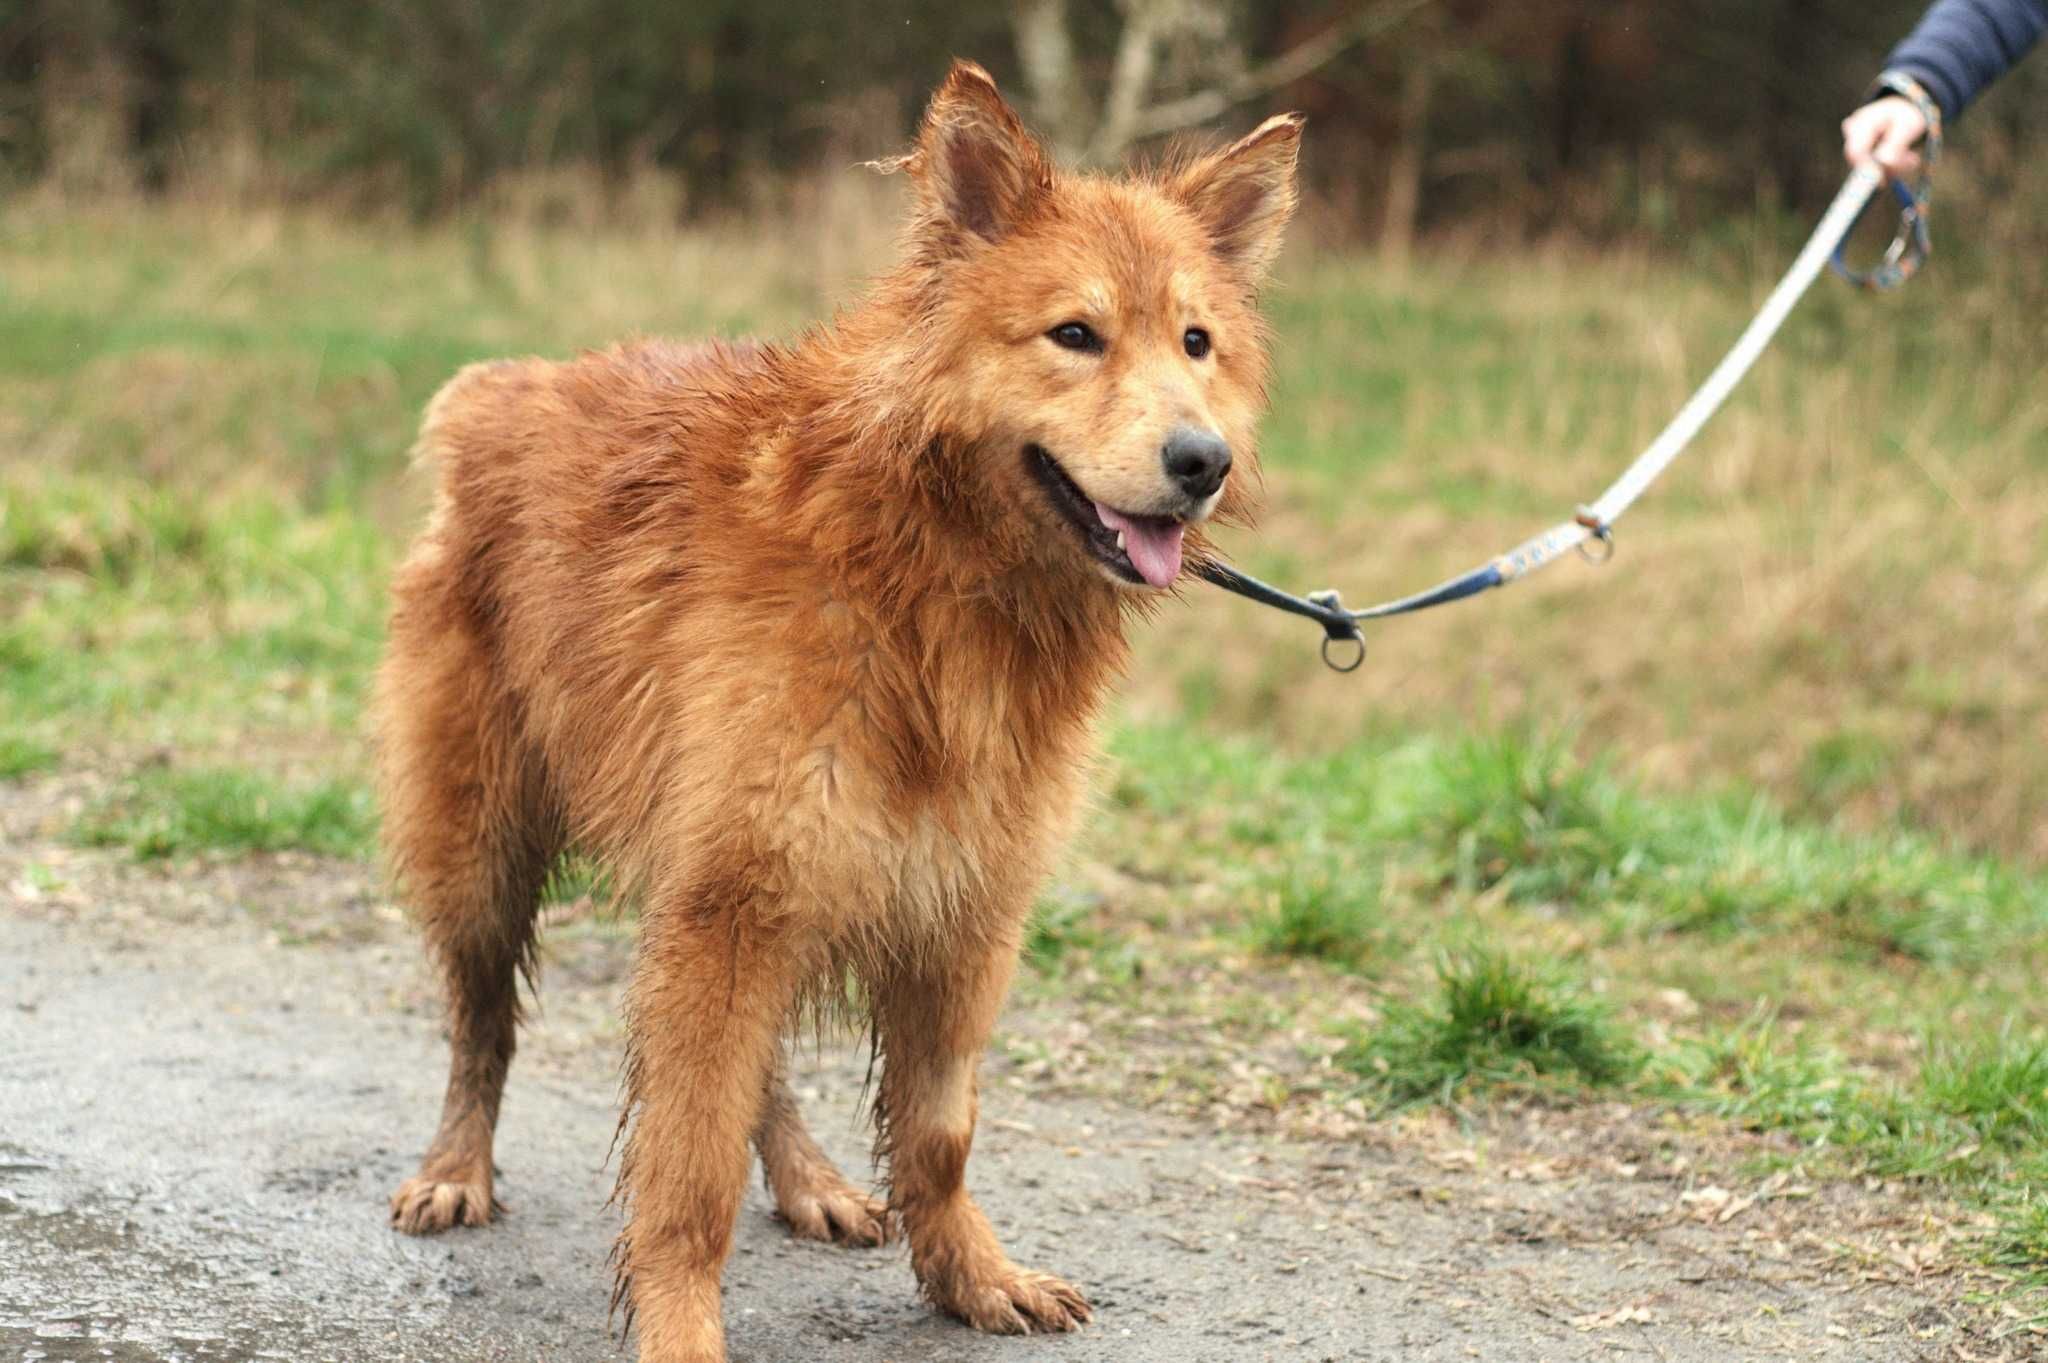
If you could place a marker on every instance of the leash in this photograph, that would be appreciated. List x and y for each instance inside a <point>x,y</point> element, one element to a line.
<point>1590,531</point>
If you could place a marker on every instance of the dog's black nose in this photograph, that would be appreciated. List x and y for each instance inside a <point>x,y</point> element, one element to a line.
<point>1197,460</point>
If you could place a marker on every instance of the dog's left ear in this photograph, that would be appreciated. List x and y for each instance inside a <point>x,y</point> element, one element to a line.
<point>1244,194</point>
<point>976,167</point>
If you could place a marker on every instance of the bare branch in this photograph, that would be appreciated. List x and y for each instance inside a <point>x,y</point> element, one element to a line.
<point>1298,61</point>
<point>1137,56</point>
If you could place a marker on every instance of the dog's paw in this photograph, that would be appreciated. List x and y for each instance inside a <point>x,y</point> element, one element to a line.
<point>423,1205</point>
<point>1016,1301</point>
<point>834,1211</point>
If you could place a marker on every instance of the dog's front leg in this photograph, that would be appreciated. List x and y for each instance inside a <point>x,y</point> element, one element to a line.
<point>934,1016</point>
<point>710,993</point>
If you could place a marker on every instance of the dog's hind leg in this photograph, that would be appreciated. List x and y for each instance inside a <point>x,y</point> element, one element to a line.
<point>811,1195</point>
<point>471,839</point>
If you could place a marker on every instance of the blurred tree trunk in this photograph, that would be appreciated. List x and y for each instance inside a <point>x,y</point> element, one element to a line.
<point>1574,89</point>
<point>1405,167</point>
<point>1127,112</point>
<point>23,145</point>
<point>243,140</point>
<point>1045,51</point>
<point>1790,141</point>
<point>1146,24</point>
<point>155,77</point>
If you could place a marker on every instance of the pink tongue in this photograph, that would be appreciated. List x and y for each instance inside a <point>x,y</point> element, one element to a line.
<point>1154,546</point>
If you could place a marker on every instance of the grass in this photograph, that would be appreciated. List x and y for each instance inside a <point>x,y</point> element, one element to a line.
<point>171,814</point>
<point>1318,906</point>
<point>2020,1242</point>
<point>1535,917</point>
<point>1755,1074</point>
<point>1066,940</point>
<point>576,878</point>
<point>1524,816</point>
<point>1495,1021</point>
<point>21,757</point>
<point>1747,824</point>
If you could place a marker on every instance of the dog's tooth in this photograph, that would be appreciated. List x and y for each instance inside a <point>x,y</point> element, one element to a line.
<point>1119,539</point>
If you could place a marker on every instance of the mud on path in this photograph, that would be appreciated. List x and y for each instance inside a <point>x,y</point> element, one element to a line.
<point>211,1078</point>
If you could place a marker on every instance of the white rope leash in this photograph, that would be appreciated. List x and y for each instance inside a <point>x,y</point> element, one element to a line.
<point>1596,520</point>
<point>1849,203</point>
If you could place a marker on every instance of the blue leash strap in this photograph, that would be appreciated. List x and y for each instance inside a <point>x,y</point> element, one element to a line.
<point>1591,530</point>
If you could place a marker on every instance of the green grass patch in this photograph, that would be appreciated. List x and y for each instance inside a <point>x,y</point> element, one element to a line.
<point>1320,907</point>
<point>2019,1241</point>
<point>1973,1119</point>
<point>1062,924</point>
<point>1519,815</point>
<point>1065,936</point>
<point>1754,1075</point>
<point>1518,811</point>
<point>575,877</point>
<point>1976,1107</point>
<point>21,757</point>
<point>146,619</point>
<point>1840,765</point>
<point>178,813</point>
<point>1496,1021</point>
<point>100,527</point>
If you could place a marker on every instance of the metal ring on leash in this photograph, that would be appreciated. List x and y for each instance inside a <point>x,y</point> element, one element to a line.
<point>1597,532</point>
<point>1357,659</point>
<point>1338,628</point>
<point>1903,258</point>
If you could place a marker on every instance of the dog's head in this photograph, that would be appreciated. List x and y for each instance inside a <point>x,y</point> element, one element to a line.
<point>1096,342</point>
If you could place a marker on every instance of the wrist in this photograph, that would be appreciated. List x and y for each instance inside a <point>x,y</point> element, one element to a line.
<point>1904,85</point>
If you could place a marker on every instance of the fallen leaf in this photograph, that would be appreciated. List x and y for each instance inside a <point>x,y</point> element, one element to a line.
<point>1613,1317</point>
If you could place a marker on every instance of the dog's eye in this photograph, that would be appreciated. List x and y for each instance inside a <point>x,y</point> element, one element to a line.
<point>1075,336</point>
<point>1195,342</point>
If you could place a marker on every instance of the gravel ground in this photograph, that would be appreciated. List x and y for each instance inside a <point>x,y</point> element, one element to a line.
<point>210,1079</point>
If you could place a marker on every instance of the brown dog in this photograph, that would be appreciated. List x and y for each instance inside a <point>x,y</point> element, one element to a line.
<point>806,642</point>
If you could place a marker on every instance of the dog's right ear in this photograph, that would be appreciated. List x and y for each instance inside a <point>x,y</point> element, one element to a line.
<point>976,168</point>
<point>1244,194</point>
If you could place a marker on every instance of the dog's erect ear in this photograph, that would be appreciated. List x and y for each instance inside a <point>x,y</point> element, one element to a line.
<point>975,165</point>
<point>1245,193</point>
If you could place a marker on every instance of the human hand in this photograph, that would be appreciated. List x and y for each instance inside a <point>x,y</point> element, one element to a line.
<point>1884,133</point>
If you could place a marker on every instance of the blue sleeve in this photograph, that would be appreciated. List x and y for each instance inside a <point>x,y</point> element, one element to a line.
<point>1961,46</point>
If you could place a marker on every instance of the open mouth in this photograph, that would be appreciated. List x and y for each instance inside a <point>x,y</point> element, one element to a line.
<point>1138,549</point>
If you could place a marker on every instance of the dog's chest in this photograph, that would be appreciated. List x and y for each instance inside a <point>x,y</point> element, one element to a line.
<point>924,785</point>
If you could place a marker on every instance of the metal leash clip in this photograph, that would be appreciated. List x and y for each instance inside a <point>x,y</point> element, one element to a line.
<point>1335,632</point>
<point>1597,532</point>
<point>1911,245</point>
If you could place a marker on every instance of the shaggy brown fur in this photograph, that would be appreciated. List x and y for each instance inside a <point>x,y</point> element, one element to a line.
<point>805,642</point>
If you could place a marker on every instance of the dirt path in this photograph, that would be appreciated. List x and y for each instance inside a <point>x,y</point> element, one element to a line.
<point>209,1081</point>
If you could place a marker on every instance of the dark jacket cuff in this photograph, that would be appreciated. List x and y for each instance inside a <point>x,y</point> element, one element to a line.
<point>1934,82</point>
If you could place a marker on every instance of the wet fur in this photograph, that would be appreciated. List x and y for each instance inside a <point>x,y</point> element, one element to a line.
<point>788,636</point>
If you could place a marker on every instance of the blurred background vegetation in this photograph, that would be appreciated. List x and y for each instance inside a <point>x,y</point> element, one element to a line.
<point>1472,116</point>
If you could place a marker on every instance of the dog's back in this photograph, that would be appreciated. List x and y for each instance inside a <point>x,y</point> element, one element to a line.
<point>547,468</point>
<point>579,507</point>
